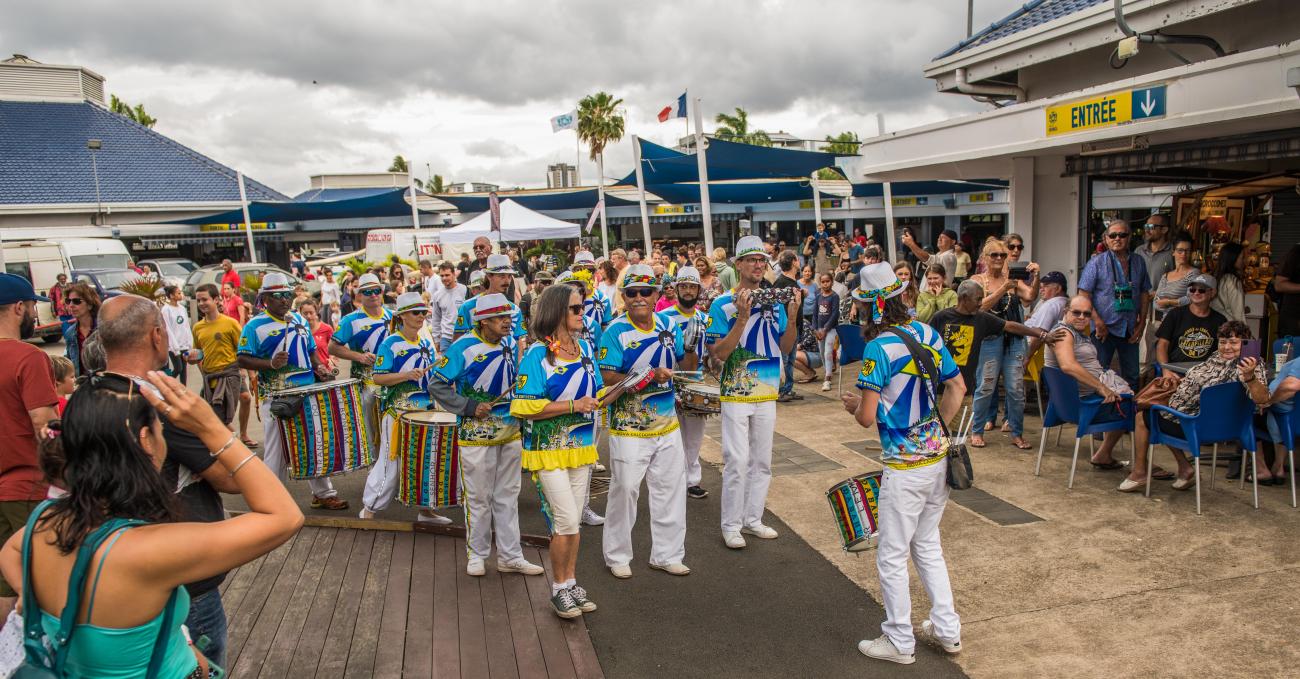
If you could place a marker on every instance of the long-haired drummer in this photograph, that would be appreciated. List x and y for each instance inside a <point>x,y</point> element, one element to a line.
<point>357,339</point>
<point>473,379</point>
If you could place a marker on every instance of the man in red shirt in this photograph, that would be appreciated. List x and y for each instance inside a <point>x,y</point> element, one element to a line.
<point>27,404</point>
<point>230,276</point>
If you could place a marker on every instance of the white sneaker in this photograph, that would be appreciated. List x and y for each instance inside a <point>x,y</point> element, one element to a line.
<point>435,519</point>
<point>733,539</point>
<point>519,565</point>
<point>365,514</point>
<point>591,518</point>
<point>598,468</point>
<point>621,571</point>
<point>677,568</point>
<point>826,386</point>
<point>475,567</point>
<point>758,530</point>
<point>927,633</point>
<point>884,649</point>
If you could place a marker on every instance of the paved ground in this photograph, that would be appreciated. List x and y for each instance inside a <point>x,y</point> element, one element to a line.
<point>1049,582</point>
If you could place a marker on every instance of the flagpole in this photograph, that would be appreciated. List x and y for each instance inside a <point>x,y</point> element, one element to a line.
<point>577,166</point>
<point>817,201</point>
<point>415,214</point>
<point>600,191</point>
<point>640,187</point>
<point>702,162</point>
<point>248,223</point>
<point>889,201</point>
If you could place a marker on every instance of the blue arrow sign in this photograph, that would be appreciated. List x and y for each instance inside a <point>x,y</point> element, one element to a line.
<point>1149,102</point>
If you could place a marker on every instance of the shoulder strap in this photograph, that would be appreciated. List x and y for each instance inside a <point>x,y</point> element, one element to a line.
<point>925,363</point>
<point>31,609</point>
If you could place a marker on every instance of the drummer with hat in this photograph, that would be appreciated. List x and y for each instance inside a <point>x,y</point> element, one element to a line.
<point>691,323</point>
<point>644,441</point>
<point>404,359</point>
<point>749,340</point>
<point>591,326</point>
<point>279,346</point>
<point>499,273</point>
<point>597,308</point>
<point>357,339</point>
<point>473,379</point>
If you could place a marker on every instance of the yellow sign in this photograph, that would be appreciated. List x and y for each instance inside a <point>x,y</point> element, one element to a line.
<point>669,209</point>
<point>911,201</point>
<point>257,226</point>
<point>1106,110</point>
<point>831,203</point>
<point>986,197</point>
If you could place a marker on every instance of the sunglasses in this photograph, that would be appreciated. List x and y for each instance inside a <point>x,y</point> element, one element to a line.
<point>1013,246</point>
<point>282,295</point>
<point>575,309</point>
<point>1079,314</point>
<point>74,301</point>
<point>998,255</point>
<point>1198,291</point>
<point>638,292</point>
<point>371,292</point>
<point>1117,235</point>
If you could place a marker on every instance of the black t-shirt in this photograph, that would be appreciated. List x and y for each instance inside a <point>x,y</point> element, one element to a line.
<point>963,333</point>
<point>199,501</point>
<point>1191,338</point>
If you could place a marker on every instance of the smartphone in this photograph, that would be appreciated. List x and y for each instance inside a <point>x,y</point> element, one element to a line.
<point>1019,271</point>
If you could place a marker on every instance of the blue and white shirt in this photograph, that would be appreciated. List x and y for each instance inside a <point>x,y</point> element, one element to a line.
<point>265,336</point>
<point>361,332</point>
<point>397,354</point>
<point>752,373</point>
<point>681,317</point>
<point>565,441</point>
<point>597,313</point>
<point>910,433</point>
<point>625,347</point>
<point>465,318</point>
<point>482,372</point>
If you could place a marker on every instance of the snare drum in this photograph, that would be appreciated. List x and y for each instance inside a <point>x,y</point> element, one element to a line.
<point>428,459</point>
<point>855,504</point>
<point>699,399</point>
<point>327,436</point>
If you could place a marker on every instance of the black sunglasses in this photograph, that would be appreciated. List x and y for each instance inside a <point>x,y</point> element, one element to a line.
<point>998,255</point>
<point>74,301</point>
<point>575,309</point>
<point>1117,235</point>
<point>1198,291</point>
<point>283,294</point>
<point>1079,314</point>
<point>638,292</point>
<point>1015,246</point>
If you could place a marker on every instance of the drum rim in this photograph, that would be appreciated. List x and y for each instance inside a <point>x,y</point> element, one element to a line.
<point>706,389</point>
<point>317,387</point>
<point>413,416</point>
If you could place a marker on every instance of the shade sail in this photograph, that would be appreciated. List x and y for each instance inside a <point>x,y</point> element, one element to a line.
<point>752,192</point>
<point>727,161</point>
<point>560,199</point>
<point>517,223</point>
<point>385,204</point>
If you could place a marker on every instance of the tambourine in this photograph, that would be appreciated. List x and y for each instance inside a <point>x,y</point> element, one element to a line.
<point>772,296</point>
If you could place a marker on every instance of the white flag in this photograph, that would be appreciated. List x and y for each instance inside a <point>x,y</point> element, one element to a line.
<point>565,121</point>
<point>591,221</point>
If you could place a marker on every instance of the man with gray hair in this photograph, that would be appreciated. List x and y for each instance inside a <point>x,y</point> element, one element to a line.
<point>133,338</point>
<point>964,328</point>
<point>1117,284</point>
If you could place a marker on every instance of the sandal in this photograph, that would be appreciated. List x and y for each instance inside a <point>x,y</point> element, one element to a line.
<point>975,441</point>
<point>1021,443</point>
<point>1184,484</point>
<point>249,442</point>
<point>1107,466</point>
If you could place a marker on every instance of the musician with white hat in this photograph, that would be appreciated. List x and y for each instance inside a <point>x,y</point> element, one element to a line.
<point>279,346</point>
<point>691,322</point>
<point>500,273</point>
<point>597,308</point>
<point>474,379</point>
<point>644,443</point>
<point>357,339</point>
<point>749,340</point>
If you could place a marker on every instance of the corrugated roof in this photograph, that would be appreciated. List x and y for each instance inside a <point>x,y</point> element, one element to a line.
<point>1031,14</point>
<point>326,195</point>
<point>44,159</point>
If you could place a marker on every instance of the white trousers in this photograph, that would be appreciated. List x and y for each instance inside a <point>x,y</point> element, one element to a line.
<point>273,453</point>
<point>747,430</point>
<point>381,482</point>
<point>566,492</point>
<point>489,483</point>
<point>911,504</point>
<point>660,462</point>
<point>829,343</point>
<point>692,432</point>
<point>369,409</point>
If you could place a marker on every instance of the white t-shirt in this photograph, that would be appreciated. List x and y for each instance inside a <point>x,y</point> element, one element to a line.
<point>177,320</point>
<point>1048,313</point>
<point>444,304</point>
<point>330,293</point>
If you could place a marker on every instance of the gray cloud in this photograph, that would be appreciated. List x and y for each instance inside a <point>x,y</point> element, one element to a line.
<point>493,148</point>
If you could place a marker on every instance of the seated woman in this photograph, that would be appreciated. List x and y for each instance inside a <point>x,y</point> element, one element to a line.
<point>108,449</point>
<point>1220,368</point>
<point>1076,355</point>
<point>1282,392</point>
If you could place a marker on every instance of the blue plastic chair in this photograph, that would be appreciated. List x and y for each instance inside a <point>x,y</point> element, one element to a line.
<point>1231,421</point>
<point>1279,342</point>
<point>1288,426</point>
<point>1065,406</point>
<point>851,347</point>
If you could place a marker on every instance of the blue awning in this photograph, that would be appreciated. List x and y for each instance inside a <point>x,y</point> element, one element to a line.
<point>727,161</point>
<point>560,199</point>
<point>801,189</point>
<point>927,188</point>
<point>391,203</point>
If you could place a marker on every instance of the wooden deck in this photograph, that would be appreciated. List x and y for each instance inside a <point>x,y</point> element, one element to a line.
<point>340,602</point>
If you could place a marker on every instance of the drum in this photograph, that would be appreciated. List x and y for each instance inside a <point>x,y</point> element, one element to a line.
<point>854,502</point>
<point>699,399</point>
<point>428,459</point>
<point>327,435</point>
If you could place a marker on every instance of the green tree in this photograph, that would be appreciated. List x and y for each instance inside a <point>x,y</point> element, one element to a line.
<point>398,165</point>
<point>736,128</point>
<point>136,113</point>
<point>600,124</point>
<point>842,144</point>
<point>436,185</point>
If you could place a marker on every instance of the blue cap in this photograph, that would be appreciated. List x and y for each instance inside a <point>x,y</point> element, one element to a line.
<point>17,289</point>
<point>1054,277</point>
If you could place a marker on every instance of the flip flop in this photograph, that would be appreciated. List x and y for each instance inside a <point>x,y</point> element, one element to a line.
<point>972,444</point>
<point>1113,464</point>
<point>1161,475</point>
<point>1022,444</point>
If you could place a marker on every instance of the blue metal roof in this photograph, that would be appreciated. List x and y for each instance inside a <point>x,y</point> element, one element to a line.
<point>1031,14</point>
<point>327,195</point>
<point>44,159</point>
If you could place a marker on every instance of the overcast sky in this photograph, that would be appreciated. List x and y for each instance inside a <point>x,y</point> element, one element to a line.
<point>285,90</point>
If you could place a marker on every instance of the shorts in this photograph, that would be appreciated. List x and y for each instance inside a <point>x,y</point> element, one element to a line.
<point>814,359</point>
<point>1169,427</point>
<point>1113,412</point>
<point>13,518</point>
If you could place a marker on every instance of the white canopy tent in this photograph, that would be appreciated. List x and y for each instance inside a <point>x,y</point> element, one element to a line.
<point>517,223</point>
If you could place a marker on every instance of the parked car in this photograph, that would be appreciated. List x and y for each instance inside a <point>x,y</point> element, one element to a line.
<point>212,274</point>
<point>106,282</point>
<point>173,270</point>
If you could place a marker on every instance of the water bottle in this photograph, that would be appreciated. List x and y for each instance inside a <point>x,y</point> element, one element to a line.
<point>1280,359</point>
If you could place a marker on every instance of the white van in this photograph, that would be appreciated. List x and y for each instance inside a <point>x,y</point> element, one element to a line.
<point>41,261</point>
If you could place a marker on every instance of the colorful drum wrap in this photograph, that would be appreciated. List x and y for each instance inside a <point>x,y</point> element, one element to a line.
<point>855,504</point>
<point>429,463</point>
<point>328,436</point>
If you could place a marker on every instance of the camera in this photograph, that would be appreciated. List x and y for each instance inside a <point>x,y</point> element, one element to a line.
<point>1019,271</point>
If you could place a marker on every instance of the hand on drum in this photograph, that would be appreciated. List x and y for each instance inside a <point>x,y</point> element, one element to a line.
<point>414,374</point>
<point>367,358</point>
<point>662,375</point>
<point>279,360</point>
<point>482,410</point>
<point>851,402</point>
<point>323,371</point>
<point>585,405</point>
<point>181,406</point>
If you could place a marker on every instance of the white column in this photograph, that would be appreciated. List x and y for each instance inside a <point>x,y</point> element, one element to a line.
<point>248,223</point>
<point>600,191</point>
<point>889,203</point>
<point>703,164</point>
<point>415,212</point>
<point>1021,219</point>
<point>640,188</point>
<point>817,202</point>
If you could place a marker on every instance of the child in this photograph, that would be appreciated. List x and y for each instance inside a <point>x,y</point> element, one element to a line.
<point>65,379</point>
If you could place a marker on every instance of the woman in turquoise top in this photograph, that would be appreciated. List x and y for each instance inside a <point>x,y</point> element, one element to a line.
<point>108,450</point>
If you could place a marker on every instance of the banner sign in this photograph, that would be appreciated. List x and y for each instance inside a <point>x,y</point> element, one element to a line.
<point>911,201</point>
<point>827,203</point>
<point>986,197</point>
<point>257,226</point>
<point>1106,110</point>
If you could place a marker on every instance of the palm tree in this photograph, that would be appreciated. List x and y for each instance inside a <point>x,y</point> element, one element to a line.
<point>436,185</point>
<point>136,113</point>
<point>736,128</point>
<point>398,165</point>
<point>599,124</point>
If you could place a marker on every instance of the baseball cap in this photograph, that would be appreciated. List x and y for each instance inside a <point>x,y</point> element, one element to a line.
<point>1054,277</point>
<point>543,276</point>
<point>14,289</point>
<point>1202,279</point>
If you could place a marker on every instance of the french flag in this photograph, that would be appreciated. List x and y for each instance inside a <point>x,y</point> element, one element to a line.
<point>675,110</point>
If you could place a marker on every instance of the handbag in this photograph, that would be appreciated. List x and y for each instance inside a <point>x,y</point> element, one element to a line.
<point>46,657</point>
<point>961,474</point>
<point>1157,392</point>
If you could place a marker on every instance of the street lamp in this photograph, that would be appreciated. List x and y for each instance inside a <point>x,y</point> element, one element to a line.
<point>95,145</point>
